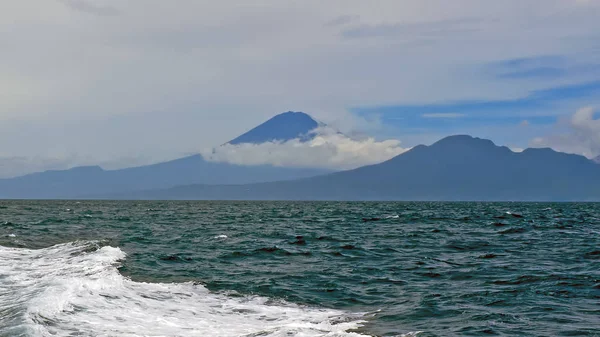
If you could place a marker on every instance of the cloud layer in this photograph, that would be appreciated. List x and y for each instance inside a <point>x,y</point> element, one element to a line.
<point>579,134</point>
<point>108,79</point>
<point>90,8</point>
<point>327,149</point>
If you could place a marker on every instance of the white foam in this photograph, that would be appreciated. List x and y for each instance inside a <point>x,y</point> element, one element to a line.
<point>12,235</point>
<point>72,289</point>
<point>392,217</point>
<point>222,236</point>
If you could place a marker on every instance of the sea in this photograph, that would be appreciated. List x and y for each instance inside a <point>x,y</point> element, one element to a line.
<point>261,269</point>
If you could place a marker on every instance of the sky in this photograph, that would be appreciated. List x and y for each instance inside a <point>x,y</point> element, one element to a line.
<point>124,83</point>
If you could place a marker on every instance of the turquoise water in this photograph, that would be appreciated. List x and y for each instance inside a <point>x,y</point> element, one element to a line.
<point>100,268</point>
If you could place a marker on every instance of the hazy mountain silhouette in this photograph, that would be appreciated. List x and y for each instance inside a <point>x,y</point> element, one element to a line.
<point>454,168</point>
<point>283,127</point>
<point>93,180</point>
<point>597,160</point>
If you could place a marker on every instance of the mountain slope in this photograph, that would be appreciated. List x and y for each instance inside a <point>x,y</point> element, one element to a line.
<point>283,127</point>
<point>454,168</point>
<point>596,160</point>
<point>85,181</point>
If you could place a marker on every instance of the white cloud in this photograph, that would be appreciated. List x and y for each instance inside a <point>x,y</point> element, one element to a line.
<point>579,134</point>
<point>90,7</point>
<point>110,78</point>
<point>343,20</point>
<point>327,149</point>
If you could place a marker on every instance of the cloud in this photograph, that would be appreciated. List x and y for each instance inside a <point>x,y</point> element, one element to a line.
<point>90,7</point>
<point>435,29</point>
<point>578,134</point>
<point>165,77</point>
<point>328,149</point>
<point>443,115</point>
<point>342,20</point>
<point>17,166</point>
<point>529,101</point>
<point>543,67</point>
<point>539,72</point>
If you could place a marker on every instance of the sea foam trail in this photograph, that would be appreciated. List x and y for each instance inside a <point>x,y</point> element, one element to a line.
<point>75,289</point>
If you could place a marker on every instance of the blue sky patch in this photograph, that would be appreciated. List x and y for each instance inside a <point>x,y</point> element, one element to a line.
<point>537,108</point>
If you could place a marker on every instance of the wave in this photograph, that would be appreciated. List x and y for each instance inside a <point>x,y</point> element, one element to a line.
<point>76,289</point>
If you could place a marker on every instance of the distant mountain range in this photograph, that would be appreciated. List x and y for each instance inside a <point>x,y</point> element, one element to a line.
<point>455,168</point>
<point>597,160</point>
<point>81,182</point>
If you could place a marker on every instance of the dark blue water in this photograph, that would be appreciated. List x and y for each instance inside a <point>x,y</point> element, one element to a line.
<point>445,269</point>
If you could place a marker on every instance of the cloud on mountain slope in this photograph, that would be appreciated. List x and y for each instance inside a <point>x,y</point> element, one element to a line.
<point>580,134</point>
<point>328,149</point>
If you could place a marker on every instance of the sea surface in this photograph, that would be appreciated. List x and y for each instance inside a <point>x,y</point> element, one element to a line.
<point>259,269</point>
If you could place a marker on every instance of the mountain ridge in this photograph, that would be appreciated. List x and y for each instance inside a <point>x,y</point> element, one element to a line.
<point>456,168</point>
<point>92,180</point>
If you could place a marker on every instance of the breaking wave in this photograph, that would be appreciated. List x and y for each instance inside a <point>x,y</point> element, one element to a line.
<point>76,289</point>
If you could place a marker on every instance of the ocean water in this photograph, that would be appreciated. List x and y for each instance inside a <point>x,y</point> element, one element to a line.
<point>101,268</point>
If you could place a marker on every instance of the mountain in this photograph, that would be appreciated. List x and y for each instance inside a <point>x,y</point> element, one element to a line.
<point>93,180</point>
<point>283,127</point>
<point>596,160</point>
<point>455,168</point>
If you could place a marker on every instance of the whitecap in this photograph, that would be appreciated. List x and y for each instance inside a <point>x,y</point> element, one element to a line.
<point>222,236</point>
<point>12,235</point>
<point>76,289</point>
